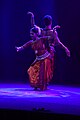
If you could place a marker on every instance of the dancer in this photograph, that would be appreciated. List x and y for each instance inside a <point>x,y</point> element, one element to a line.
<point>40,71</point>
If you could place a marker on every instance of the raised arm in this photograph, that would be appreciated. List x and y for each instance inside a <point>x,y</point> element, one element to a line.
<point>32,19</point>
<point>24,46</point>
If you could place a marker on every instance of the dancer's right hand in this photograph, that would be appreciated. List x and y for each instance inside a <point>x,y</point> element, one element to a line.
<point>19,49</point>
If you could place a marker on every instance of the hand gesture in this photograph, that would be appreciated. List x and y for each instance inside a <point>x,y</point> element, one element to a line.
<point>57,26</point>
<point>19,49</point>
<point>67,52</point>
<point>31,13</point>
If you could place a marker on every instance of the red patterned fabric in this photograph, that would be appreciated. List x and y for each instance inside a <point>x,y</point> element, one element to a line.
<point>41,73</point>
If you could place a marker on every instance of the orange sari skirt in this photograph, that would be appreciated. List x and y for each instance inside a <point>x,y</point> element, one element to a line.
<point>40,73</point>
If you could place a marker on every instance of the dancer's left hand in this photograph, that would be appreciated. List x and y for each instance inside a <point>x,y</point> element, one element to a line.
<point>67,52</point>
<point>55,27</point>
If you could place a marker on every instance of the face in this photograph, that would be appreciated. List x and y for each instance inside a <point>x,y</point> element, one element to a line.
<point>33,35</point>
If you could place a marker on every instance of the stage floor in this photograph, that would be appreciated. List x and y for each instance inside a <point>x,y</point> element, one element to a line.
<point>57,99</point>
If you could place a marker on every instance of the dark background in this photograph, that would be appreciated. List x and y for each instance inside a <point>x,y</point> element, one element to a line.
<point>14,31</point>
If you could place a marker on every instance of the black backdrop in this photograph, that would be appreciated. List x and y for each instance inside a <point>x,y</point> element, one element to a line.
<point>15,26</point>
